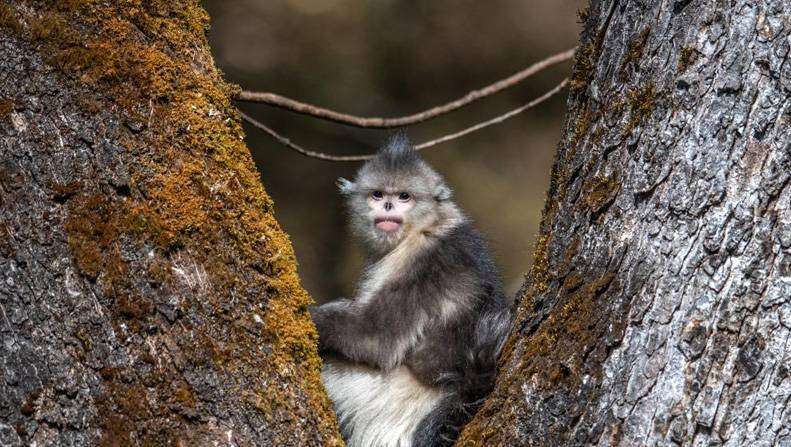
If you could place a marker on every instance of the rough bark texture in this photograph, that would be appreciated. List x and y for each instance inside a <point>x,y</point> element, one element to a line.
<point>147,294</point>
<point>658,310</point>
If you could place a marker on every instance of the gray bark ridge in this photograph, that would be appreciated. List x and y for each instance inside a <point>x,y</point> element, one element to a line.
<point>659,308</point>
<point>705,228</point>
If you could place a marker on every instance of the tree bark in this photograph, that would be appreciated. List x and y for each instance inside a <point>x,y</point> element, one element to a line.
<point>147,294</point>
<point>658,310</point>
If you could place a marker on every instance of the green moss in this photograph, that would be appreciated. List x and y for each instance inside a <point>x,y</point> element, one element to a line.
<point>641,103</point>
<point>634,53</point>
<point>686,57</point>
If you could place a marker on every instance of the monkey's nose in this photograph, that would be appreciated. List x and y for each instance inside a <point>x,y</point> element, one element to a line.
<point>388,206</point>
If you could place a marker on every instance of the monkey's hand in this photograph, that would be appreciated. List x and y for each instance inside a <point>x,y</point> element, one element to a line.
<point>328,317</point>
<point>350,330</point>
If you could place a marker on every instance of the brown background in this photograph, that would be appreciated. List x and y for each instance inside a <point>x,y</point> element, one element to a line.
<point>387,58</point>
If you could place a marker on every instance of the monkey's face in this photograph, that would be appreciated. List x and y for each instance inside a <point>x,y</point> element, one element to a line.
<point>384,210</point>
<point>395,195</point>
<point>389,210</point>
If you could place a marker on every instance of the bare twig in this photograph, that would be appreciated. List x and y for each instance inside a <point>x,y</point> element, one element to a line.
<point>307,152</point>
<point>324,156</point>
<point>495,120</point>
<point>276,100</point>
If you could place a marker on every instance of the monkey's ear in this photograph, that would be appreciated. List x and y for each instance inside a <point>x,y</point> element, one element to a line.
<point>442,193</point>
<point>346,187</point>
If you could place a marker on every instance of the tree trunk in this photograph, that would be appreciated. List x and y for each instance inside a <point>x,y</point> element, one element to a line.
<point>658,310</point>
<point>147,294</point>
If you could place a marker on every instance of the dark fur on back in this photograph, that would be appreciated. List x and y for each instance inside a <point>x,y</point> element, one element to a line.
<point>431,301</point>
<point>470,383</point>
<point>461,356</point>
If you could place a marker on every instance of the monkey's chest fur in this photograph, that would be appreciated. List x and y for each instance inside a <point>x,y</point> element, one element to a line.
<point>377,408</point>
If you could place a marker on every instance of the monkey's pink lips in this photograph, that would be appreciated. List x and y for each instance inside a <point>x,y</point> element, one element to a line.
<point>387,224</point>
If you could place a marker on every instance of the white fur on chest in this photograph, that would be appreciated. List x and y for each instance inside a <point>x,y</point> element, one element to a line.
<point>378,409</point>
<point>391,265</point>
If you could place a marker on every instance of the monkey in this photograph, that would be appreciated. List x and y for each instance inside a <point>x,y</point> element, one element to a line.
<point>413,355</point>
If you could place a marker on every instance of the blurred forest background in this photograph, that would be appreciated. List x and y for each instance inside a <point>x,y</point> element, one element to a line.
<point>390,58</point>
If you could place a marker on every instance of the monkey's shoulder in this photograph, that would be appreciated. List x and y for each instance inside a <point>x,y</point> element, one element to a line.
<point>462,249</point>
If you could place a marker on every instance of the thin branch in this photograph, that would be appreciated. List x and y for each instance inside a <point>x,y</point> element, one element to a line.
<point>307,152</point>
<point>495,120</point>
<point>276,100</point>
<point>324,156</point>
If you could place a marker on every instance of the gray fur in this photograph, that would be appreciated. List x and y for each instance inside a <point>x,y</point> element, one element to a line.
<point>429,305</point>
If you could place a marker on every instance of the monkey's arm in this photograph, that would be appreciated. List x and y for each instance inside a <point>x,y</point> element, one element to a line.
<point>366,333</point>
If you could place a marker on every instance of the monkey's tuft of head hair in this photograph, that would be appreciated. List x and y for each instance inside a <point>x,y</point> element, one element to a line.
<point>397,152</point>
<point>397,171</point>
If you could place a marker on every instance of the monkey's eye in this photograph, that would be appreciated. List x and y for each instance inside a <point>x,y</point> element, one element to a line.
<point>377,195</point>
<point>404,197</point>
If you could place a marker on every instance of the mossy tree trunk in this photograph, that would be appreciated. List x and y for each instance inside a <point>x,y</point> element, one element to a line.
<point>658,310</point>
<point>147,294</point>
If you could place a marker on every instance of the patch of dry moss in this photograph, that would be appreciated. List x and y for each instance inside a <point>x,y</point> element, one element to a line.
<point>641,104</point>
<point>581,127</point>
<point>553,357</point>
<point>6,108</point>
<point>634,53</point>
<point>585,59</point>
<point>540,271</point>
<point>8,18</point>
<point>583,14</point>
<point>584,66</point>
<point>686,57</point>
<point>566,333</point>
<point>599,190</point>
